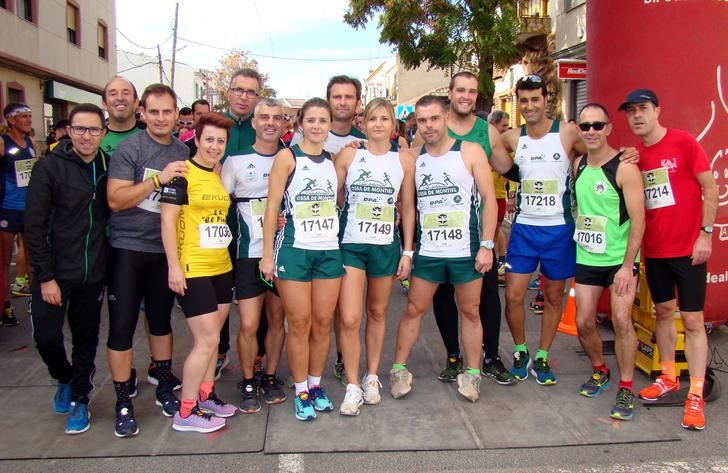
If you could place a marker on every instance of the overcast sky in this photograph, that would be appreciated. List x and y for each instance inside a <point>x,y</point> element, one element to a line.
<point>311,29</point>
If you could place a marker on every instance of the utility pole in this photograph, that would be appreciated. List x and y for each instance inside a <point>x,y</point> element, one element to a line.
<point>174,43</point>
<point>161,65</point>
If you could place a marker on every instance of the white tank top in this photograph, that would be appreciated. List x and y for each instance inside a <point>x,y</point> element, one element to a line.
<point>544,196</point>
<point>371,189</point>
<point>447,205</point>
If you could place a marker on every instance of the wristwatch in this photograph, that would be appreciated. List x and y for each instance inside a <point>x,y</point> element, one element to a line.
<point>487,244</point>
<point>707,229</point>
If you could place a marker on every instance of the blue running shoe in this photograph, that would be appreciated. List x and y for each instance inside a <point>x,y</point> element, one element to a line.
<point>320,401</point>
<point>521,364</point>
<point>304,408</point>
<point>62,399</point>
<point>542,372</point>
<point>126,425</point>
<point>598,382</point>
<point>78,418</point>
<point>535,284</point>
<point>167,400</point>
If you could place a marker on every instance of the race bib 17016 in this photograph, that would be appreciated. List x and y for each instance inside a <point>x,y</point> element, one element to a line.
<point>590,233</point>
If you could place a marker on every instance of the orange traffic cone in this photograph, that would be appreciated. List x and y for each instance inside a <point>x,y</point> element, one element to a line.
<point>568,317</point>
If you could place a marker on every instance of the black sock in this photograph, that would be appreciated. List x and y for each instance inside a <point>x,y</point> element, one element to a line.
<point>339,359</point>
<point>123,390</point>
<point>164,371</point>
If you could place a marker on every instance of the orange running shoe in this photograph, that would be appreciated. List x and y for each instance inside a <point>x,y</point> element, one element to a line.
<point>694,419</point>
<point>662,385</point>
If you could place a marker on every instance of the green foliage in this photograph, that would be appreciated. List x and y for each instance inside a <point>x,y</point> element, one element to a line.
<point>227,65</point>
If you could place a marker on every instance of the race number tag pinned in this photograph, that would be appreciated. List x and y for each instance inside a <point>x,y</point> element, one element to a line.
<point>151,203</point>
<point>658,191</point>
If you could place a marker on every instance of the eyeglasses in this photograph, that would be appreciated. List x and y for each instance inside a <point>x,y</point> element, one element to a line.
<point>81,130</point>
<point>181,123</point>
<point>249,93</point>
<point>598,126</point>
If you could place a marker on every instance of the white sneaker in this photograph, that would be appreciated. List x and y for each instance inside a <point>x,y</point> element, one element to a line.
<point>400,382</point>
<point>469,386</point>
<point>352,401</point>
<point>370,385</point>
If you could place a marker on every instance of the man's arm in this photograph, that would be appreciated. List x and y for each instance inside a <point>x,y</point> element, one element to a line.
<point>38,207</point>
<point>124,194</point>
<point>500,158</point>
<point>703,245</point>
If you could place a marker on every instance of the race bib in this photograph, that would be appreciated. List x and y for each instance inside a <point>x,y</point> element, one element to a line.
<point>373,224</point>
<point>590,233</point>
<point>23,169</point>
<point>151,203</point>
<point>540,197</point>
<point>316,221</point>
<point>444,230</point>
<point>658,191</point>
<point>257,211</point>
<point>215,235</point>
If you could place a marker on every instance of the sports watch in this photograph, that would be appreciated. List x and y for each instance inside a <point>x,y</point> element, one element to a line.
<point>487,244</point>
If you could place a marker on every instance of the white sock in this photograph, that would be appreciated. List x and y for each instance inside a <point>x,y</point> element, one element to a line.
<point>352,387</point>
<point>301,387</point>
<point>314,381</point>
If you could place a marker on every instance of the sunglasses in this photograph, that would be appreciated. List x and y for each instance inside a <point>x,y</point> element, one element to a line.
<point>598,126</point>
<point>531,78</point>
<point>181,123</point>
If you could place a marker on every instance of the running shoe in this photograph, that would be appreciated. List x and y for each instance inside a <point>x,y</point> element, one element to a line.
<point>353,400</point>
<point>694,418</point>
<point>521,364</point>
<point>18,284</point>
<point>370,385</point>
<point>78,418</point>
<point>304,408</point>
<point>167,400</point>
<point>8,318</point>
<point>62,399</point>
<point>535,284</point>
<point>340,372</point>
<point>320,400</point>
<point>495,370</point>
<point>400,382</point>
<point>153,379</point>
<point>249,403</point>
<point>542,372</point>
<point>660,387</point>
<point>272,390</point>
<point>23,291</point>
<point>453,367</point>
<point>216,406</point>
<point>501,273</point>
<point>405,285</point>
<point>126,425</point>
<point>537,304</point>
<point>197,421</point>
<point>624,406</point>
<point>597,382</point>
<point>469,386</point>
<point>220,364</point>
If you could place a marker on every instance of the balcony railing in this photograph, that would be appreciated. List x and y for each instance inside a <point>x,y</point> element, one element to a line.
<point>534,18</point>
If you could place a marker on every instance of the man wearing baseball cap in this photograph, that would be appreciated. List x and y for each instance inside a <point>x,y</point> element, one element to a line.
<point>679,187</point>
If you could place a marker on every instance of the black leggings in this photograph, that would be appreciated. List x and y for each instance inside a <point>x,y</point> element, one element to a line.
<point>446,314</point>
<point>135,276</point>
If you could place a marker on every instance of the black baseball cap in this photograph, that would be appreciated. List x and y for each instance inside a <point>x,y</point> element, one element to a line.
<point>639,96</point>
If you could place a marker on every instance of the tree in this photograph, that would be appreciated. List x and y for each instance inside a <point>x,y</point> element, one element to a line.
<point>227,65</point>
<point>447,34</point>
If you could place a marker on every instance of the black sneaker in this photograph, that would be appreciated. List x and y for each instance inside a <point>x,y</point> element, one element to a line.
<point>340,372</point>
<point>272,388</point>
<point>23,291</point>
<point>167,400</point>
<point>153,379</point>
<point>126,425</point>
<point>8,318</point>
<point>495,370</point>
<point>249,403</point>
<point>452,369</point>
<point>537,304</point>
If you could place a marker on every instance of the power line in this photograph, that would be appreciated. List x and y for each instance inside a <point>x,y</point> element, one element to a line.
<point>139,45</point>
<point>282,57</point>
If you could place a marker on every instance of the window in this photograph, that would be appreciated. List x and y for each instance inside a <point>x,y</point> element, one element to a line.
<point>25,10</point>
<point>102,40</point>
<point>569,4</point>
<point>72,24</point>
<point>16,92</point>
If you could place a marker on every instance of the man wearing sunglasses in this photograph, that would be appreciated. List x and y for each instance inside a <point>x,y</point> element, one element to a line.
<point>609,229</point>
<point>185,122</point>
<point>65,230</point>
<point>681,198</point>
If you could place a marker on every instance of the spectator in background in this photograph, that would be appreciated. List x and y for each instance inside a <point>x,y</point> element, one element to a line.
<point>185,122</point>
<point>199,108</point>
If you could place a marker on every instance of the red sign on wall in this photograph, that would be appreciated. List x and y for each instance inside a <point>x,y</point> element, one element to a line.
<point>570,69</point>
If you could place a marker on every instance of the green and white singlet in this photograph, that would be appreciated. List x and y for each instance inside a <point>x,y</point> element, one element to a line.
<point>371,190</point>
<point>309,204</point>
<point>603,224</point>
<point>447,205</point>
<point>245,176</point>
<point>544,196</point>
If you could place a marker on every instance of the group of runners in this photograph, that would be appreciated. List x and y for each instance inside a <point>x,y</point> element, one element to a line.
<point>314,235</point>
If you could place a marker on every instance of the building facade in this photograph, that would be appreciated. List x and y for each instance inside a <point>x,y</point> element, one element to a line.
<point>54,54</point>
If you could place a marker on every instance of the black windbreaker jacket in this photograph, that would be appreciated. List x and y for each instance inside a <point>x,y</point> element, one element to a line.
<point>66,214</point>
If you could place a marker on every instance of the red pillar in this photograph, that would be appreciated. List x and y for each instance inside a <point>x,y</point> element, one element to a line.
<point>679,49</point>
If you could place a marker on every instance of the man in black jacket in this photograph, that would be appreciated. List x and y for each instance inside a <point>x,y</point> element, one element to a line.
<point>67,214</point>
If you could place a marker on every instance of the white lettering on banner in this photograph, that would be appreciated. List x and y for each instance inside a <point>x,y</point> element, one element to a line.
<point>717,278</point>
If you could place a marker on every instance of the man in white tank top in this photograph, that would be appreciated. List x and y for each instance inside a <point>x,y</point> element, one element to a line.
<point>451,178</point>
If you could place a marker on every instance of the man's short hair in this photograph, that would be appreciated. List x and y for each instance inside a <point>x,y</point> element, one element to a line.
<point>158,89</point>
<point>268,102</point>
<point>247,72</point>
<point>343,80</point>
<point>103,96</point>
<point>427,100</point>
<point>411,116</point>
<point>200,102</point>
<point>531,82</point>
<point>86,108</point>
<point>61,124</point>
<point>497,116</point>
<point>466,74</point>
<point>185,111</point>
<point>597,106</point>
